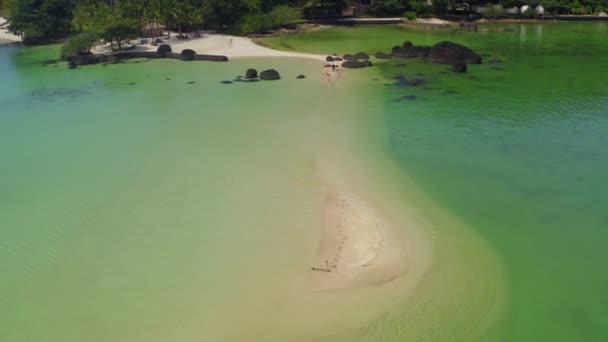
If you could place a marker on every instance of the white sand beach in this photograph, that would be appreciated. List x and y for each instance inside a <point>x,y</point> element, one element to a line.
<point>5,36</point>
<point>219,44</point>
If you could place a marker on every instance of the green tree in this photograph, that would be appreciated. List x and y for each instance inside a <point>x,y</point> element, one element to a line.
<point>79,44</point>
<point>37,20</point>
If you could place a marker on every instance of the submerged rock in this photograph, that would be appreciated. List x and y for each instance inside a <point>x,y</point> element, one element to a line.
<point>361,55</point>
<point>300,77</point>
<point>227,82</point>
<point>459,68</point>
<point>451,53</point>
<point>270,75</point>
<point>410,81</point>
<point>407,98</point>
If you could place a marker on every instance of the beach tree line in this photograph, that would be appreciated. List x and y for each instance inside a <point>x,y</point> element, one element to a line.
<point>112,20</point>
<point>117,20</point>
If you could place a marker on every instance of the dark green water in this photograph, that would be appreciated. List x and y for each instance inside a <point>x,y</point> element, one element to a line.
<point>518,151</point>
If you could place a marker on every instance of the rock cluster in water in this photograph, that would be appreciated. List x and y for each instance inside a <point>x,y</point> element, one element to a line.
<point>163,51</point>
<point>358,60</point>
<point>446,52</point>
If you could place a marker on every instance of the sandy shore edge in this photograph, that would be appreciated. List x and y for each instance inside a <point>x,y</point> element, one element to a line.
<point>219,44</point>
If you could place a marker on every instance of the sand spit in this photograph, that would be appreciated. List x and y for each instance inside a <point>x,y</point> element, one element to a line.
<point>358,246</point>
<point>218,44</point>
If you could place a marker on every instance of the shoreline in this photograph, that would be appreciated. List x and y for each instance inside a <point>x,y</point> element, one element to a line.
<point>219,44</point>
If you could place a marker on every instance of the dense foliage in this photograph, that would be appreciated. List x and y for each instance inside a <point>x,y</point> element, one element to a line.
<point>38,20</point>
<point>115,20</point>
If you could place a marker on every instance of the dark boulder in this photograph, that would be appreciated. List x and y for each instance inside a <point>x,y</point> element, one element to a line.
<point>411,51</point>
<point>187,55</point>
<point>349,57</point>
<point>270,75</point>
<point>164,49</point>
<point>338,59</point>
<point>301,77</point>
<point>251,73</point>
<point>356,64</point>
<point>452,53</point>
<point>211,58</point>
<point>329,59</point>
<point>459,68</point>
<point>362,56</point>
<point>383,55</point>
<point>407,44</point>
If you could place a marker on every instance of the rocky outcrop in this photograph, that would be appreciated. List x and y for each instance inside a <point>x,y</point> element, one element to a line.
<point>451,53</point>
<point>211,58</point>
<point>410,81</point>
<point>187,55</point>
<point>383,55</point>
<point>251,73</point>
<point>356,64</point>
<point>164,49</point>
<point>408,50</point>
<point>270,75</point>
<point>459,68</point>
<point>361,56</point>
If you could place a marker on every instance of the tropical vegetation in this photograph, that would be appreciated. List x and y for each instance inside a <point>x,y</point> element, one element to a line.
<point>117,20</point>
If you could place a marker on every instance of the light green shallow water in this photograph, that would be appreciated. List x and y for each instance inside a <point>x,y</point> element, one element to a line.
<point>162,210</point>
<point>138,207</point>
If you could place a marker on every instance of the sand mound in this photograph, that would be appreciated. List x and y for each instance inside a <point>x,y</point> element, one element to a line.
<point>358,245</point>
